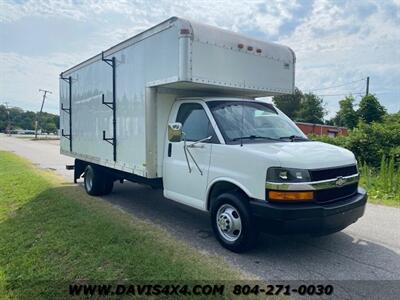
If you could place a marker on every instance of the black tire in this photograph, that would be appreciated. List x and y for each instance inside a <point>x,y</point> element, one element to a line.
<point>95,181</point>
<point>247,238</point>
<point>108,185</point>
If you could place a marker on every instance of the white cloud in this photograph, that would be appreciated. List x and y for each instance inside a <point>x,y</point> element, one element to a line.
<point>11,11</point>
<point>336,44</point>
<point>229,14</point>
<point>23,76</point>
<point>335,41</point>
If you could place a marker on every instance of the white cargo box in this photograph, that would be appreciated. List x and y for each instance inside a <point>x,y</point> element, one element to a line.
<point>115,105</point>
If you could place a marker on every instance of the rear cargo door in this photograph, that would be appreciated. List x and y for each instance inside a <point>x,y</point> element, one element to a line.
<point>186,168</point>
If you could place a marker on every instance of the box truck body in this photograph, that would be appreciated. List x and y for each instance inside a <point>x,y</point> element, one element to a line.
<point>175,107</point>
<point>173,59</point>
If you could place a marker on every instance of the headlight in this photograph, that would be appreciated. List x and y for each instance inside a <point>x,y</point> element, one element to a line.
<point>276,174</point>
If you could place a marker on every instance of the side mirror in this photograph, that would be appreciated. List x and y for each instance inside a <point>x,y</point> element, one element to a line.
<point>175,132</point>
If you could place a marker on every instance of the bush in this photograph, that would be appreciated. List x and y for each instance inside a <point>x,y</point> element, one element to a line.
<point>370,142</point>
<point>383,183</point>
<point>377,149</point>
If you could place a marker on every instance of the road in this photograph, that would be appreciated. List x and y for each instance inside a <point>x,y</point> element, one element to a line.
<point>366,250</point>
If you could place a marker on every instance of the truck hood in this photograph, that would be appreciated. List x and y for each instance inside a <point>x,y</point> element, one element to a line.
<point>304,155</point>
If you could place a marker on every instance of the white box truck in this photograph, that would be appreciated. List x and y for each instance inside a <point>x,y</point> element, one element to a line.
<point>175,107</point>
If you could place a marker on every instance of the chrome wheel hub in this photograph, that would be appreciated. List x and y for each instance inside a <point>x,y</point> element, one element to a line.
<point>224,222</point>
<point>229,222</point>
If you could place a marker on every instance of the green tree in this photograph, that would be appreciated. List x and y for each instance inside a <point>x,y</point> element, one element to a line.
<point>346,116</point>
<point>369,142</point>
<point>3,117</point>
<point>49,127</point>
<point>311,109</point>
<point>370,109</point>
<point>48,122</point>
<point>26,119</point>
<point>330,122</point>
<point>289,104</point>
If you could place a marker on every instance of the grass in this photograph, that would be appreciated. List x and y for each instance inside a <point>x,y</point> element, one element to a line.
<point>383,184</point>
<point>52,234</point>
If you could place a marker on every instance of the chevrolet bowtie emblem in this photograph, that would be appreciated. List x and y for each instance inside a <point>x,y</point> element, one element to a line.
<point>340,181</point>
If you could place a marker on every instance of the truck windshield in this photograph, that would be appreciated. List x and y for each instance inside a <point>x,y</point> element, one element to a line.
<point>253,122</point>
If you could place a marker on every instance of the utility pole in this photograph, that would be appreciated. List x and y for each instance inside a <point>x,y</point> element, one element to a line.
<point>367,88</point>
<point>41,109</point>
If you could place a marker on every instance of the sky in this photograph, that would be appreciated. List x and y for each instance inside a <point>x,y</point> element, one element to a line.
<point>337,43</point>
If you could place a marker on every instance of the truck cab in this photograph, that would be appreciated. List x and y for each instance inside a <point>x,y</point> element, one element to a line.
<point>249,165</point>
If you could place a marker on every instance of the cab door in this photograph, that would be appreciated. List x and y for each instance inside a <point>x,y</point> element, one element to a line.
<point>186,164</point>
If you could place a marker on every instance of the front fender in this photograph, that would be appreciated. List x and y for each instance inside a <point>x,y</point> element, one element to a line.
<point>227,180</point>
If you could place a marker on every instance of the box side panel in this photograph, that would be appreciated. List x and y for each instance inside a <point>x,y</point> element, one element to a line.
<point>64,117</point>
<point>224,66</point>
<point>152,59</point>
<point>89,116</point>
<point>164,105</point>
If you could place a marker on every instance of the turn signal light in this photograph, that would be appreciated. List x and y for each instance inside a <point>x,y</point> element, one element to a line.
<point>290,196</point>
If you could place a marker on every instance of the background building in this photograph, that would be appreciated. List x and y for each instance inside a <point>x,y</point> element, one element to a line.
<point>319,129</point>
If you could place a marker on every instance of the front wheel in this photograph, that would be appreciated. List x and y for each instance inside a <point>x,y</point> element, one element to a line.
<point>232,223</point>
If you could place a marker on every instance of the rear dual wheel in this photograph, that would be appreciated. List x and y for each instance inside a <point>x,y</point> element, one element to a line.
<point>97,182</point>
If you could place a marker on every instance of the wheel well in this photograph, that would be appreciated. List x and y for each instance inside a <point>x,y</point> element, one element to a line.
<point>221,187</point>
<point>80,167</point>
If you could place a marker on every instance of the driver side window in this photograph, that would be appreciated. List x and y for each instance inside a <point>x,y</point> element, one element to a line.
<point>195,123</point>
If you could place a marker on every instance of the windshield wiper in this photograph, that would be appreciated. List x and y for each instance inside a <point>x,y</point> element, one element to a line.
<point>253,137</point>
<point>293,138</point>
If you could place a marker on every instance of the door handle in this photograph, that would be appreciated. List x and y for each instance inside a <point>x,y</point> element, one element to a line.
<point>169,149</point>
<point>199,144</point>
<point>196,146</point>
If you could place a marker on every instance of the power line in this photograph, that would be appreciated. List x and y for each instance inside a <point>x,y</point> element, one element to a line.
<point>355,90</point>
<point>386,92</point>
<point>354,94</point>
<point>347,94</point>
<point>335,86</point>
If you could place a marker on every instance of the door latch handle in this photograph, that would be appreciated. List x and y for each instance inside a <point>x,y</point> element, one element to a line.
<point>195,146</point>
<point>199,144</point>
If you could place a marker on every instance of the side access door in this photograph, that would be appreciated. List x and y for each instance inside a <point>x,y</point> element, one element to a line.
<point>186,164</point>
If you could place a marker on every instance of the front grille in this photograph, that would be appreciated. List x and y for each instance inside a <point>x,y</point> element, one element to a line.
<point>324,174</point>
<point>328,195</point>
